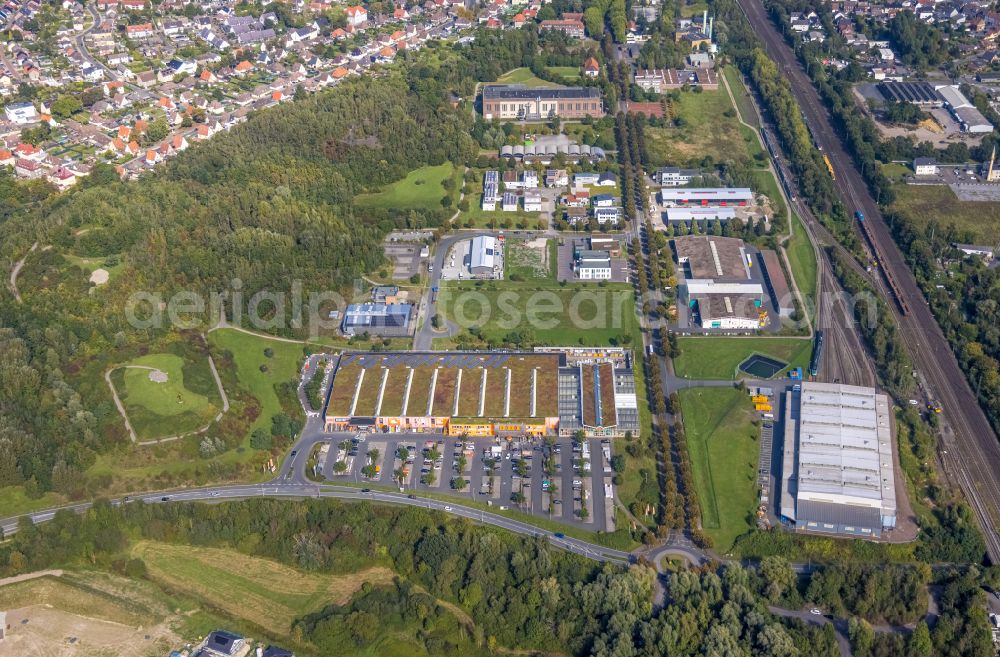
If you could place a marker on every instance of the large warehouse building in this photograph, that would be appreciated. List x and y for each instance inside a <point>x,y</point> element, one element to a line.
<point>717,286</point>
<point>484,394</point>
<point>837,470</point>
<point>706,196</point>
<point>482,256</point>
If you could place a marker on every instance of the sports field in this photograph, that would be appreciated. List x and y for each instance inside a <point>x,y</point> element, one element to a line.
<point>165,394</point>
<point>421,188</point>
<point>719,357</point>
<point>724,447</point>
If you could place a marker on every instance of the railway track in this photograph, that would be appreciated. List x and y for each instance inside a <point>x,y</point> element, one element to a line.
<point>968,446</point>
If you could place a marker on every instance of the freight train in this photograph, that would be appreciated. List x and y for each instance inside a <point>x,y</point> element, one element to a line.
<point>897,294</point>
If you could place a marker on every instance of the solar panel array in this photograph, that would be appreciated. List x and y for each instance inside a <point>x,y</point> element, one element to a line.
<point>909,92</point>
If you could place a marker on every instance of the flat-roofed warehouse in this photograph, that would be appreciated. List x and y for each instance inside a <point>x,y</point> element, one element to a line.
<point>777,285</point>
<point>837,467</point>
<point>707,196</point>
<point>482,255</point>
<point>717,284</point>
<point>479,393</point>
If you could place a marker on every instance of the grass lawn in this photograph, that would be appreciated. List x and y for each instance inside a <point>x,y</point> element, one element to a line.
<point>421,188</point>
<point>264,592</point>
<point>13,501</point>
<point>718,357</point>
<point>476,217</point>
<point>524,76</point>
<point>724,452</point>
<point>640,488</point>
<point>743,103</point>
<point>768,186</point>
<point>802,259</point>
<point>187,400</point>
<point>895,171</point>
<point>926,202</point>
<point>549,314</point>
<point>587,133</point>
<point>86,594</point>
<point>248,354</point>
<point>705,130</point>
<point>693,8</point>
<point>88,265</point>
<point>568,73</point>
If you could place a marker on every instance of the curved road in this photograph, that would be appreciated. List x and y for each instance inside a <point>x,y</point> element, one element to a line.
<point>424,339</point>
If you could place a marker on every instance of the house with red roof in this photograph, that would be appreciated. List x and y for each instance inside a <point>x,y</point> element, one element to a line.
<point>62,178</point>
<point>356,15</point>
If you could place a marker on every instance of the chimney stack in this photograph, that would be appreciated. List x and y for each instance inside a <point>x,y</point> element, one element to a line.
<point>704,21</point>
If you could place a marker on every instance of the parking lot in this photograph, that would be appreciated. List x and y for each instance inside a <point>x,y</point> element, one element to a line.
<point>553,478</point>
<point>405,259</point>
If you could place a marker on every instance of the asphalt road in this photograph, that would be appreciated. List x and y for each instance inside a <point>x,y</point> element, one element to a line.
<point>298,491</point>
<point>424,339</point>
<point>970,451</point>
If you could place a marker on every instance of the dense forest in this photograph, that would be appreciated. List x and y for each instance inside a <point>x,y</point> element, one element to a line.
<point>267,204</point>
<point>520,592</point>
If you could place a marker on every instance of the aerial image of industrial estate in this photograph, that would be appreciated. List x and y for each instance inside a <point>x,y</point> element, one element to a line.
<point>565,328</point>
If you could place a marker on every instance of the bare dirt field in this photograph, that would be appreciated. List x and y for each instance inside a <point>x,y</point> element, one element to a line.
<point>44,631</point>
<point>85,615</point>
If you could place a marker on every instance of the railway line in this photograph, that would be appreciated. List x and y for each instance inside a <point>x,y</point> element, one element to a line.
<point>968,446</point>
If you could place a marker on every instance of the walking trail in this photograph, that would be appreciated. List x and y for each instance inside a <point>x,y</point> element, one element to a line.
<point>17,270</point>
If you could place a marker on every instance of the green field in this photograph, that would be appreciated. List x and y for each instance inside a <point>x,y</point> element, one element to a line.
<point>896,171</point>
<point>266,593</point>
<point>188,400</point>
<point>704,131</point>
<point>475,217</point>
<point>802,259</point>
<point>924,203</point>
<point>421,188</point>
<point>695,8</point>
<point>88,265</point>
<point>724,449</point>
<point>718,357</point>
<point>743,103</point>
<point>542,314</point>
<point>524,76</point>
<point>767,185</point>
<point>569,73</point>
<point>269,595</point>
<point>248,354</point>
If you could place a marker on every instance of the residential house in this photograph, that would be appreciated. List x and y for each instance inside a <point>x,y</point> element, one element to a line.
<point>556,178</point>
<point>532,201</point>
